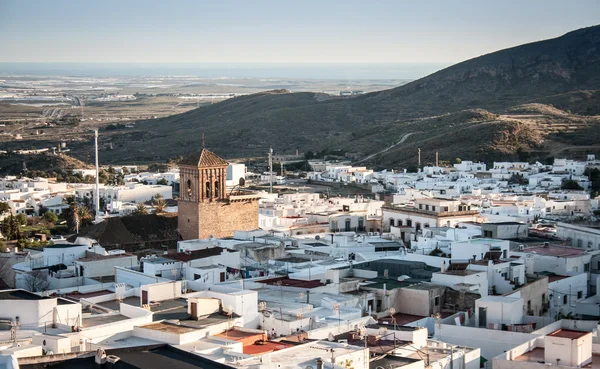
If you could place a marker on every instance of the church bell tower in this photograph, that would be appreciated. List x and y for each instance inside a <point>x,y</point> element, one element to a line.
<point>202,178</point>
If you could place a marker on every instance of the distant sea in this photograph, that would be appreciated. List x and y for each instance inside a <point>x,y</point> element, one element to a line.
<point>354,71</point>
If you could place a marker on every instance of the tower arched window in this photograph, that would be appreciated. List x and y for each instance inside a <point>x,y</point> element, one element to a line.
<point>217,189</point>
<point>208,189</point>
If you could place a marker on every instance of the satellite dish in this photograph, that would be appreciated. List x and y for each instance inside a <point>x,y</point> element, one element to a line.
<point>330,337</point>
<point>317,237</point>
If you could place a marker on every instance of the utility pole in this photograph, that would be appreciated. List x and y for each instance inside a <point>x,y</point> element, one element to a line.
<point>97,197</point>
<point>419,165</point>
<point>270,170</point>
<point>436,158</point>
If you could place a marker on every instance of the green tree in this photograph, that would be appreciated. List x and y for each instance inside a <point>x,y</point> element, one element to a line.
<point>22,219</point>
<point>4,208</point>
<point>159,205</point>
<point>11,228</point>
<point>84,214</point>
<point>458,160</point>
<point>570,184</point>
<point>162,182</point>
<point>50,217</point>
<point>140,209</point>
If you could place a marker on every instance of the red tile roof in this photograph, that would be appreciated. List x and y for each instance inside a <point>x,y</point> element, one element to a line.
<point>204,159</point>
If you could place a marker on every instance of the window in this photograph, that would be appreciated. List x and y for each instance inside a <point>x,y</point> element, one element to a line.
<point>580,243</point>
<point>426,207</point>
<point>445,208</point>
<point>217,189</point>
<point>391,222</point>
<point>420,206</point>
<point>408,223</point>
<point>437,301</point>
<point>565,297</point>
<point>348,225</point>
<point>361,224</point>
<point>208,189</point>
<point>399,222</point>
<point>575,269</point>
<point>432,207</point>
<point>586,267</point>
<point>579,295</point>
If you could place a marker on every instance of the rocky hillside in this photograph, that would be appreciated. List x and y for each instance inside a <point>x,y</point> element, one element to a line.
<point>563,72</point>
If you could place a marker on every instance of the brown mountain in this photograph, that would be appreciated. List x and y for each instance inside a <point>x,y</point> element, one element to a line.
<point>563,72</point>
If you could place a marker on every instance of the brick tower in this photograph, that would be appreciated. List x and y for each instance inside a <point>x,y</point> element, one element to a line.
<point>205,209</point>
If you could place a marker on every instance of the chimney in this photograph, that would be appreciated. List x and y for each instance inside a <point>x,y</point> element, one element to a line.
<point>319,363</point>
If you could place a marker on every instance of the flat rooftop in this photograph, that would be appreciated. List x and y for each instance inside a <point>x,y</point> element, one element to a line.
<point>101,319</point>
<point>390,361</point>
<point>103,257</point>
<point>565,252</point>
<point>76,296</point>
<point>537,356</point>
<point>20,295</point>
<point>64,245</point>
<point>149,357</point>
<point>568,333</point>
<point>400,319</point>
<point>167,327</point>
<point>284,281</point>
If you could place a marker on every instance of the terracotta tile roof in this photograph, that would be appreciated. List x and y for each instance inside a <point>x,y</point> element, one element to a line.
<point>203,159</point>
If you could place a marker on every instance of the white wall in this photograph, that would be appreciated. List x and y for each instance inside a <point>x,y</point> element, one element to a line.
<point>162,291</point>
<point>504,310</point>
<point>135,279</point>
<point>105,267</point>
<point>55,344</point>
<point>491,342</point>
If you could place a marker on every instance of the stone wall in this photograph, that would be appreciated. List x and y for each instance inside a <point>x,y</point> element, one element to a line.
<point>459,300</point>
<point>217,218</point>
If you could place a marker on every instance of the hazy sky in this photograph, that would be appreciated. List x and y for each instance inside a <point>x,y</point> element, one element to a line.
<point>279,30</point>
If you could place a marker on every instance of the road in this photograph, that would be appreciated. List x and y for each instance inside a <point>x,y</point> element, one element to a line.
<point>402,139</point>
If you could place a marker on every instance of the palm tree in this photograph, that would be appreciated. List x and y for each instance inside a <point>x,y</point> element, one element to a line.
<point>159,205</point>
<point>140,209</point>
<point>85,216</point>
<point>80,216</point>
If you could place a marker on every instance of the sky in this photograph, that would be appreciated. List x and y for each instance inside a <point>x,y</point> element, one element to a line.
<point>279,31</point>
